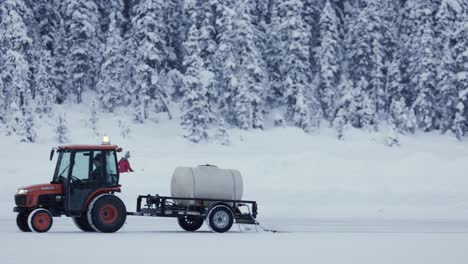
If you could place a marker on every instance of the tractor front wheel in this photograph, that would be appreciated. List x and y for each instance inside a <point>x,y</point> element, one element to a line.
<point>22,222</point>
<point>40,220</point>
<point>107,213</point>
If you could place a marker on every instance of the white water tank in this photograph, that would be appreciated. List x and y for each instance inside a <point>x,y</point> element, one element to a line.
<point>206,181</point>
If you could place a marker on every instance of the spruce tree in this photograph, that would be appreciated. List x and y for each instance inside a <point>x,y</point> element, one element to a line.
<point>328,59</point>
<point>296,64</point>
<point>62,129</point>
<point>148,36</point>
<point>111,83</point>
<point>44,90</point>
<point>28,124</point>
<point>82,31</point>
<point>424,74</point>
<point>15,57</point>
<point>196,116</point>
<point>242,70</point>
<point>222,135</point>
<point>460,65</point>
<point>366,58</point>
<point>93,119</point>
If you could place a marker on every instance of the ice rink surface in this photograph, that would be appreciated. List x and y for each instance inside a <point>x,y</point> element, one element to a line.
<point>334,202</point>
<point>157,240</point>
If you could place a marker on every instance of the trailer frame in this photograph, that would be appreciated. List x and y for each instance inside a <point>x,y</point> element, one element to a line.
<point>166,206</point>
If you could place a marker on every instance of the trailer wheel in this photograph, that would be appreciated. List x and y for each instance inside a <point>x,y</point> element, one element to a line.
<point>107,213</point>
<point>40,220</point>
<point>22,222</point>
<point>83,224</point>
<point>190,223</point>
<point>220,219</point>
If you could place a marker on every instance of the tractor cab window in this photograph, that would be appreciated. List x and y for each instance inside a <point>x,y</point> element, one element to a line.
<point>98,167</point>
<point>111,169</point>
<point>90,169</point>
<point>80,172</point>
<point>61,170</point>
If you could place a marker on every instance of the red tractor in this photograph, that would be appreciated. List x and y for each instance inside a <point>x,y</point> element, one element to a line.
<point>85,180</point>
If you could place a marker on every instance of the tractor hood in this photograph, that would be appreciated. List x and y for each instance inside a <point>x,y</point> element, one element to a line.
<point>47,188</point>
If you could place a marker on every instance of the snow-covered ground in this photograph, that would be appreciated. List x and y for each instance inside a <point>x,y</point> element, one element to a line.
<point>352,201</point>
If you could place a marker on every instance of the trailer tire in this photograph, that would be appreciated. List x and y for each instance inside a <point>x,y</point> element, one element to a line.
<point>107,213</point>
<point>190,223</point>
<point>83,224</point>
<point>22,222</point>
<point>40,220</point>
<point>220,218</point>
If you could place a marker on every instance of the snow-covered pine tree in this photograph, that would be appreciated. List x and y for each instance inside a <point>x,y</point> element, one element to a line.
<point>196,116</point>
<point>3,106</point>
<point>82,31</point>
<point>250,42</point>
<point>398,114</point>
<point>176,32</point>
<point>222,135</point>
<point>425,72</point>
<point>62,129</point>
<point>27,123</point>
<point>47,25</point>
<point>391,137</point>
<point>460,53</point>
<point>110,85</point>
<point>328,60</point>
<point>124,129</point>
<point>459,123</point>
<point>242,70</point>
<point>148,34</point>
<point>274,57</point>
<point>366,55</point>
<point>447,95</point>
<point>296,64</point>
<point>58,67</point>
<point>339,123</point>
<point>44,90</point>
<point>203,14</point>
<point>311,15</point>
<point>93,119</point>
<point>15,56</point>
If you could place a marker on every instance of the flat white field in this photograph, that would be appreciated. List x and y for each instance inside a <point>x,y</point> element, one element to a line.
<point>352,201</point>
<point>314,241</point>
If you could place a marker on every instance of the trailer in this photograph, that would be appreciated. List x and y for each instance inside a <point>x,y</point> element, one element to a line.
<point>219,215</point>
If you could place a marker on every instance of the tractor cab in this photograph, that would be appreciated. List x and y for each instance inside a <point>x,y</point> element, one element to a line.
<point>83,170</point>
<point>83,186</point>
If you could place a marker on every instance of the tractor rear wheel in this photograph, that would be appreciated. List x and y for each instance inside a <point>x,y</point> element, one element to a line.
<point>22,222</point>
<point>190,223</point>
<point>83,224</point>
<point>40,220</point>
<point>107,213</point>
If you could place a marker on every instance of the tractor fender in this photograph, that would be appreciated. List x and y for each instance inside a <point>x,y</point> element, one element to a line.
<point>98,193</point>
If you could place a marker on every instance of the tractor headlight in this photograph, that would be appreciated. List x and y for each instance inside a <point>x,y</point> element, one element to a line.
<point>21,191</point>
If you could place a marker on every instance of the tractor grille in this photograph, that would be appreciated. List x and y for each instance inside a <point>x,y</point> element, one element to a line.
<point>20,200</point>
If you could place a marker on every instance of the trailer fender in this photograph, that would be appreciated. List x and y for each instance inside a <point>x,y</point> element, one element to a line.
<point>219,204</point>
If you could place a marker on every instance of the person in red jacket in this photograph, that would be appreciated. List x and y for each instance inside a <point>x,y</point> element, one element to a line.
<point>124,165</point>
